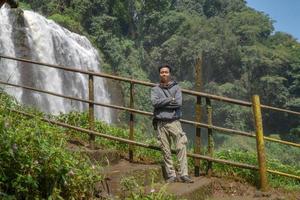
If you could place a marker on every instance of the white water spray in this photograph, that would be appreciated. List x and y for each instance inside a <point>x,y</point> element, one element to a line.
<point>40,39</point>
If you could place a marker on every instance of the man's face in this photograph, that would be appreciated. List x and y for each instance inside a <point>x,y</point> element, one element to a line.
<point>164,75</point>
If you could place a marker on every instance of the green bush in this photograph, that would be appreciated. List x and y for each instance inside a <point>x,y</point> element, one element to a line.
<point>24,6</point>
<point>247,157</point>
<point>67,22</point>
<point>81,120</point>
<point>35,162</point>
<point>44,168</point>
<point>236,152</point>
<point>134,191</point>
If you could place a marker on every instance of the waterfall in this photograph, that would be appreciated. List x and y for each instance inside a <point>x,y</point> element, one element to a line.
<point>30,35</point>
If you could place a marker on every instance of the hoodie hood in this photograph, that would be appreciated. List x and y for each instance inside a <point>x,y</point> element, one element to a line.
<point>170,85</point>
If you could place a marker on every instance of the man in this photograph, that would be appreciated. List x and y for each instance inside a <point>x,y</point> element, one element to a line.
<point>167,100</point>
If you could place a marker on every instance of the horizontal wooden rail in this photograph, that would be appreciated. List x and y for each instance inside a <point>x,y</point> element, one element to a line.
<point>190,92</point>
<point>91,103</point>
<point>280,109</point>
<point>216,128</point>
<point>78,99</point>
<point>149,146</point>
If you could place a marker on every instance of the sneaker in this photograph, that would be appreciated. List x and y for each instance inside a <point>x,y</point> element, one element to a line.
<point>172,179</point>
<point>186,179</point>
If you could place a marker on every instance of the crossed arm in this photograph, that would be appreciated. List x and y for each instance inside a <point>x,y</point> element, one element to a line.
<point>166,102</point>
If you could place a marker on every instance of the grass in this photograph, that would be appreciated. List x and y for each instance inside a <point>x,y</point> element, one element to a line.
<point>37,150</point>
<point>34,160</point>
<point>232,152</point>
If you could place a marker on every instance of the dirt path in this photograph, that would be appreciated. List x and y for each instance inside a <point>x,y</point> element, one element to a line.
<point>118,169</point>
<point>224,189</point>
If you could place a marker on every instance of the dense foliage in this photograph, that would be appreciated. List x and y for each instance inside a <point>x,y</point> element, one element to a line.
<point>241,53</point>
<point>81,120</point>
<point>35,162</point>
<point>243,156</point>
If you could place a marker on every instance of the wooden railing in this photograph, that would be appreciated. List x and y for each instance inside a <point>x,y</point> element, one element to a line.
<point>255,104</point>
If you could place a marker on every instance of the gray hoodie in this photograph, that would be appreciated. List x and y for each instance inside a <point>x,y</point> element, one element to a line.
<point>165,108</point>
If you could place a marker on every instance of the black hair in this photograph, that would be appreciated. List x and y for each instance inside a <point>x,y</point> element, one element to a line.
<point>163,66</point>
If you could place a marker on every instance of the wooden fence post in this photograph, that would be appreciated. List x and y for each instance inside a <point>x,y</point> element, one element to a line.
<point>261,155</point>
<point>131,122</point>
<point>197,148</point>
<point>91,111</point>
<point>210,141</point>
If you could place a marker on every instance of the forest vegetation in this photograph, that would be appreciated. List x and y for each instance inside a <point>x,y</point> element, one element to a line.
<point>37,161</point>
<point>242,55</point>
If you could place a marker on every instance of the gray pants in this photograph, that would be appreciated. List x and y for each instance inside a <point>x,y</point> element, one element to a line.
<point>168,131</point>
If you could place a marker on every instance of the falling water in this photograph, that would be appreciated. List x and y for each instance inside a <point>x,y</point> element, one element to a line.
<point>28,34</point>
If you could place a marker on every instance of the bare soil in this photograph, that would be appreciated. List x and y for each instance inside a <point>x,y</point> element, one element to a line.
<point>225,189</point>
<point>218,188</point>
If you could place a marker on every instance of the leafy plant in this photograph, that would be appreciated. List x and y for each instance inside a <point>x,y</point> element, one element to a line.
<point>252,176</point>
<point>35,161</point>
<point>136,192</point>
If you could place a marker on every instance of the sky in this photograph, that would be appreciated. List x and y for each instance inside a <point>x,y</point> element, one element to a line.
<point>286,13</point>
